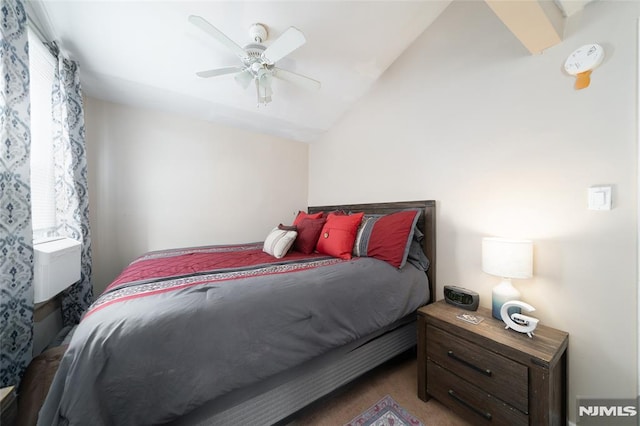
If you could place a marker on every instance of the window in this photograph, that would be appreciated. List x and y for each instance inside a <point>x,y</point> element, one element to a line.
<point>42,68</point>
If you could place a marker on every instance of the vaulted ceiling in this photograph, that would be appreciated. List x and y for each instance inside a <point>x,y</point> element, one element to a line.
<point>146,53</point>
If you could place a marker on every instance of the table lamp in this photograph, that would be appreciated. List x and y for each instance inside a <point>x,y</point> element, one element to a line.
<point>506,258</point>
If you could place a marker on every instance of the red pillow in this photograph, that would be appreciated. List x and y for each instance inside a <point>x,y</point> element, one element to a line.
<point>338,235</point>
<point>302,215</point>
<point>387,237</point>
<point>308,233</point>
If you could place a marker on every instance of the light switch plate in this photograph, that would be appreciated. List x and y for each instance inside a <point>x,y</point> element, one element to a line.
<point>600,198</point>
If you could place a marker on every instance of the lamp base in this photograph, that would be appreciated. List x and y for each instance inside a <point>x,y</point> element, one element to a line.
<point>502,293</point>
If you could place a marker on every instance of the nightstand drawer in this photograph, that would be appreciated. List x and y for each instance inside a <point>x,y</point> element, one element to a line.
<point>469,401</point>
<point>500,376</point>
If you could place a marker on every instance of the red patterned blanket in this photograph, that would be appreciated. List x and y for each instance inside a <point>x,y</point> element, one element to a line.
<point>169,270</point>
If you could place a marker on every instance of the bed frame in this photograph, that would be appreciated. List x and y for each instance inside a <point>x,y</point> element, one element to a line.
<point>286,393</point>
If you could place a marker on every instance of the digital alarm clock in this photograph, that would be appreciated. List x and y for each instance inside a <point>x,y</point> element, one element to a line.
<point>461,297</point>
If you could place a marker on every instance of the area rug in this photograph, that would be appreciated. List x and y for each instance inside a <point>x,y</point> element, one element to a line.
<point>385,412</point>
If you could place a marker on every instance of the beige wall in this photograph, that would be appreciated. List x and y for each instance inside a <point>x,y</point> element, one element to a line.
<point>507,147</point>
<point>159,181</point>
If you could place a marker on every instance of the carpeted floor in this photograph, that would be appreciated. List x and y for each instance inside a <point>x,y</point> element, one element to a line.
<point>396,378</point>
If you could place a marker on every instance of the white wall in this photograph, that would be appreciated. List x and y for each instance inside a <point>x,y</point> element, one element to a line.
<point>161,181</point>
<point>507,147</point>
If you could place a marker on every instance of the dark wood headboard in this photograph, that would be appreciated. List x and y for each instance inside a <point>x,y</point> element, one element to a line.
<point>426,223</point>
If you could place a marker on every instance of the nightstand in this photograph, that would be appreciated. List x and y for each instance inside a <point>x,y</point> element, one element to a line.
<point>490,375</point>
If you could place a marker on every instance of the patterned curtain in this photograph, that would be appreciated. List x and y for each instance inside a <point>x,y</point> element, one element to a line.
<point>72,199</point>
<point>16,246</point>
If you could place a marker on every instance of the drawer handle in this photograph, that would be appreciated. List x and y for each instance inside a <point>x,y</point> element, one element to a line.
<point>469,406</point>
<point>484,371</point>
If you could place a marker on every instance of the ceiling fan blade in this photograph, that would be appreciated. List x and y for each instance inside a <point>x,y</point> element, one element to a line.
<point>289,41</point>
<point>205,26</point>
<point>298,79</point>
<point>244,78</point>
<point>218,71</point>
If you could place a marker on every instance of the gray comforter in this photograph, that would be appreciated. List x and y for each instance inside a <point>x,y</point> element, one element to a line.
<point>148,360</point>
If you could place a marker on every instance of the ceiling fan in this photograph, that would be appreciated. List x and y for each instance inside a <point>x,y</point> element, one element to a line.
<point>258,61</point>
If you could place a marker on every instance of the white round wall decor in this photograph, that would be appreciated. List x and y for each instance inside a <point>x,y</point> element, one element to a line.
<point>582,61</point>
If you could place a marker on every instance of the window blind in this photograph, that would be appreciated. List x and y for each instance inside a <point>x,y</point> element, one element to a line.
<point>41,67</point>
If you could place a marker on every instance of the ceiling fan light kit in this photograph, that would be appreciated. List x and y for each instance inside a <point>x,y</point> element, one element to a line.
<point>258,61</point>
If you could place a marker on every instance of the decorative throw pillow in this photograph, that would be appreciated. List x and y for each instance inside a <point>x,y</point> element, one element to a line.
<point>278,242</point>
<point>338,234</point>
<point>363,234</point>
<point>387,237</point>
<point>308,233</point>
<point>302,215</point>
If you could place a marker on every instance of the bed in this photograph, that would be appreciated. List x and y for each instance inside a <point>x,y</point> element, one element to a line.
<point>137,358</point>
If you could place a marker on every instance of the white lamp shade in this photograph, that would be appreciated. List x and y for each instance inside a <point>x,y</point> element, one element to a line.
<point>507,258</point>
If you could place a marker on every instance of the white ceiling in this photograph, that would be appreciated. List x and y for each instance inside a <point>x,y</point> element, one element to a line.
<point>146,53</point>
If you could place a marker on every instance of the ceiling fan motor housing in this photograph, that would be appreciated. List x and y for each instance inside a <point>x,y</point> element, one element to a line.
<point>253,57</point>
<point>254,50</point>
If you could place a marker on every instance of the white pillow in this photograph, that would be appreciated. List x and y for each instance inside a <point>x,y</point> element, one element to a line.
<point>279,242</point>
